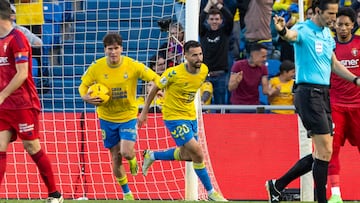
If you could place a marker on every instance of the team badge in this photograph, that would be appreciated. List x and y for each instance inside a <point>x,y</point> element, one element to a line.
<point>106,76</point>
<point>126,76</point>
<point>163,80</point>
<point>354,52</point>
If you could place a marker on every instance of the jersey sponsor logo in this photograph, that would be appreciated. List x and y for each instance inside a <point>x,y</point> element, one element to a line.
<point>4,61</point>
<point>24,127</point>
<point>318,47</point>
<point>350,63</point>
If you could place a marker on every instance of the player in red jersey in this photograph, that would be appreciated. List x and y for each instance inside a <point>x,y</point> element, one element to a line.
<point>344,96</point>
<point>19,102</point>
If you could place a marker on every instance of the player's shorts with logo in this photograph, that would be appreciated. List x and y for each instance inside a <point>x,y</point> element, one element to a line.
<point>23,123</point>
<point>113,132</point>
<point>182,131</point>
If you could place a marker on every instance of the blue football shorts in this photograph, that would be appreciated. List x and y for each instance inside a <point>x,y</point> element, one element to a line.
<point>112,132</point>
<point>182,131</point>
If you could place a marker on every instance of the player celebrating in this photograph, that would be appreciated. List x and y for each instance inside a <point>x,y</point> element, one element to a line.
<point>344,96</point>
<point>118,115</point>
<point>181,84</point>
<point>19,102</point>
<point>315,60</point>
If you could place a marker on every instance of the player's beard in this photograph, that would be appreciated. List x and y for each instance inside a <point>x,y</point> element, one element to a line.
<point>197,64</point>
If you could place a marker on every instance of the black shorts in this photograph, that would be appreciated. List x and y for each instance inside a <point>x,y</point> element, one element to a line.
<point>312,103</point>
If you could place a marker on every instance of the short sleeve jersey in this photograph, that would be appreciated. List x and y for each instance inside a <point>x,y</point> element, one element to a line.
<point>180,90</point>
<point>122,81</point>
<point>313,48</point>
<point>15,49</point>
<point>247,92</point>
<point>285,97</point>
<point>343,92</point>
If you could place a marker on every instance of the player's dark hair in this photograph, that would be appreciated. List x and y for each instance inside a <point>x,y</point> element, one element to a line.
<point>191,44</point>
<point>257,47</point>
<point>347,11</point>
<point>5,10</point>
<point>154,59</point>
<point>215,11</point>
<point>112,38</point>
<point>322,4</point>
<point>286,66</point>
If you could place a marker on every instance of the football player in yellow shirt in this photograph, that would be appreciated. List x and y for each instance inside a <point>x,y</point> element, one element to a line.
<point>118,116</point>
<point>181,83</point>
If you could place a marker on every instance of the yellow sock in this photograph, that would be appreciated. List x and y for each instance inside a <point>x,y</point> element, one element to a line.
<point>133,162</point>
<point>177,154</point>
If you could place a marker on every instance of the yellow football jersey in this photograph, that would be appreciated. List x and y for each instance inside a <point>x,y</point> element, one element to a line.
<point>122,82</point>
<point>285,97</point>
<point>180,90</point>
<point>207,87</point>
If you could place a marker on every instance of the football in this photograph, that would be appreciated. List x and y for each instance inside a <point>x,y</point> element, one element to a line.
<point>101,91</point>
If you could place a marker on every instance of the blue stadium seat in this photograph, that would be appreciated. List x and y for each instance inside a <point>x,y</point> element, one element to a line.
<point>273,67</point>
<point>51,30</point>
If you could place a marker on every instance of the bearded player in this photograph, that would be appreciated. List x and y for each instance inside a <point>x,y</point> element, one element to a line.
<point>181,83</point>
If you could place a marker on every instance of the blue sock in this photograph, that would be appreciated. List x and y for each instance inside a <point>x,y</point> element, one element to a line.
<point>203,175</point>
<point>123,182</point>
<point>165,155</point>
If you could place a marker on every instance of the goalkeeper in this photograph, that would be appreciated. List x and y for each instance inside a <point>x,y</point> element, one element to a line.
<point>181,84</point>
<point>117,116</point>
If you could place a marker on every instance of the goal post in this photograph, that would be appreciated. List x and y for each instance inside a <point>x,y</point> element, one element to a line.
<point>191,33</point>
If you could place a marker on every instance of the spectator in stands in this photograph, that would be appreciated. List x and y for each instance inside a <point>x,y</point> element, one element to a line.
<point>214,38</point>
<point>357,25</point>
<point>344,97</point>
<point>206,92</point>
<point>158,101</point>
<point>315,60</point>
<point>172,50</point>
<point>19,102</point>
<point>118,116</point>
<point>247,75</point>
<point>158,63</point>
<point>309,13</point>
<point>283,84</point>
<point>257,23</point>
<point>181,84</point>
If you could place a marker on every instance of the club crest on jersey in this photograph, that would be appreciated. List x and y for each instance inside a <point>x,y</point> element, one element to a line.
<point>163,80</point>
<point>354,52</point>
<point>126,76</point>
<point>106,76</point>
<point>5,47</point>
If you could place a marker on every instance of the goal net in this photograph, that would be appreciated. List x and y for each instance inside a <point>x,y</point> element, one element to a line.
<point>72,37</point>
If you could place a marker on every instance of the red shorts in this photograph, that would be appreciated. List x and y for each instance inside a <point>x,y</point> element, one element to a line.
<point>23,123</point>
<point>347,125</point>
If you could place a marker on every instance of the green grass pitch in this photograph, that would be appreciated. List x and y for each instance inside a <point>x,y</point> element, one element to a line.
<point>141,201</point>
